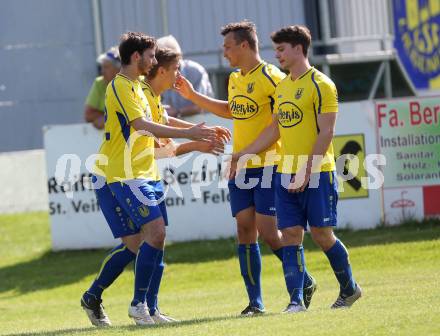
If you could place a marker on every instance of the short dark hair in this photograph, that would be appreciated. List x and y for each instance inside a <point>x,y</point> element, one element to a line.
<point>132,42</point>
<point>165,57</point>
<point>294,35</point>
<point>243,31</point>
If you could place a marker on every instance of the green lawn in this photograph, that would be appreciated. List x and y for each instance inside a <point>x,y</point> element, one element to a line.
<point>398,269</point>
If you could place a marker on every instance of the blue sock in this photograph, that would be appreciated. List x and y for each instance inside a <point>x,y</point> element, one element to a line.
<point>293,266</point>
<point>111,268</point>
<point>153,289</point>
<point>338,257</point>
<point>250,266</point>
<point>307,278</point>
<point>146,261</point>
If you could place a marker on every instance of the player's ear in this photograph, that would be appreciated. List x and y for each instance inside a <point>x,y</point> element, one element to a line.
<point>135,56</point>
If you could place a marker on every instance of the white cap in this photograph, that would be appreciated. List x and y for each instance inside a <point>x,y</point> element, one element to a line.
<point>169,42</point>
<point>111,55</point>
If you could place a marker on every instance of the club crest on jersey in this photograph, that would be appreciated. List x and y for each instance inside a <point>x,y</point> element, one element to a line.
<point>299,93</point>
<point>143,211</point>
<point>148,114</point>
<point>250,87</point>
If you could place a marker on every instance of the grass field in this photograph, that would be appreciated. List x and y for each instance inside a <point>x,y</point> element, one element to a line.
<point>398,268</point>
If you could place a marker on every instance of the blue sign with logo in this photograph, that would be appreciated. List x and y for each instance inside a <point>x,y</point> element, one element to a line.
<point>417,40</point>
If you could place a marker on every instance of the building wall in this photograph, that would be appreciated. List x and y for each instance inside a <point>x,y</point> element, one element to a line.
<point>196,23</point>
<point>47,58</point>
<point>363,19</point>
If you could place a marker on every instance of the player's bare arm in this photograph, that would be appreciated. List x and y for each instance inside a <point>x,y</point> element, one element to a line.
<point>222,132</point>
<point>326,124</point>
<point>175,122</point>
<point>215,147</point>
<point>196,132</point>
<point>267,138</point>
<point>216,106</point>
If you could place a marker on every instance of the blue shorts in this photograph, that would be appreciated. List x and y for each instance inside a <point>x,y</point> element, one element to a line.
<point>123,211</point>
<point>253,187</point>
<point>315,205</point>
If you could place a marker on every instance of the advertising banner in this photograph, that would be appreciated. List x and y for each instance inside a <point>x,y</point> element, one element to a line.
<point>417,40</point>
<point>75,216</point>
<point>353,144</point>
<point>409,137</point>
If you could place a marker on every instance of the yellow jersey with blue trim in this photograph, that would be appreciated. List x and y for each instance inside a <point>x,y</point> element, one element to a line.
<point>298,104</point>
<point>130,153</point>
<point>251,99</point>
<point>158,111</point>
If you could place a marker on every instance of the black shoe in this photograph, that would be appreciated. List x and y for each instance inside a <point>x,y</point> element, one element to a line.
<point>95,310</point>
<point>308,293</point>
<point>249,310</point>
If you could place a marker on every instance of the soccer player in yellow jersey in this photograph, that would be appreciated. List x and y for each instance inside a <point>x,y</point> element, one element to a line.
<point>127,180</point>
<point>160,78</point>
<point>250,100</point>
<point>306,187</point>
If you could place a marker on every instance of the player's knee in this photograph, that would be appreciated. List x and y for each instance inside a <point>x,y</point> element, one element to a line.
<point>133,246</point>
<point>269,233</point>
<point>245,228</point>
<point>244,231</point>
<point>132,242</point>
<point>323,238</point>
<point>156,237</point>
<point>272,240</point>
<point>291,237</point>
<point>159,237</point>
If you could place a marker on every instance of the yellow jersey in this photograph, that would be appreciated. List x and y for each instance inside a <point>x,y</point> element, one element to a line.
<point>251,99</point>
<point>298,104</point>
<point>158,111</point>
<point>130,154</point>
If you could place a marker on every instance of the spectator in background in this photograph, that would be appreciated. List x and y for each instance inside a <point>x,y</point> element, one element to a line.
<point>110,64</point>
<point>194,72</point>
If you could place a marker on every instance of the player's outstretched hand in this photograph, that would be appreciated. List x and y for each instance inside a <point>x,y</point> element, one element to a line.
<point>201,132</point>
<point>232,167</point>
<point>299,181</point>
<point>167,148</point>
<point>184,87</point>
<point>215,146</point>
<point>223,133</point>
